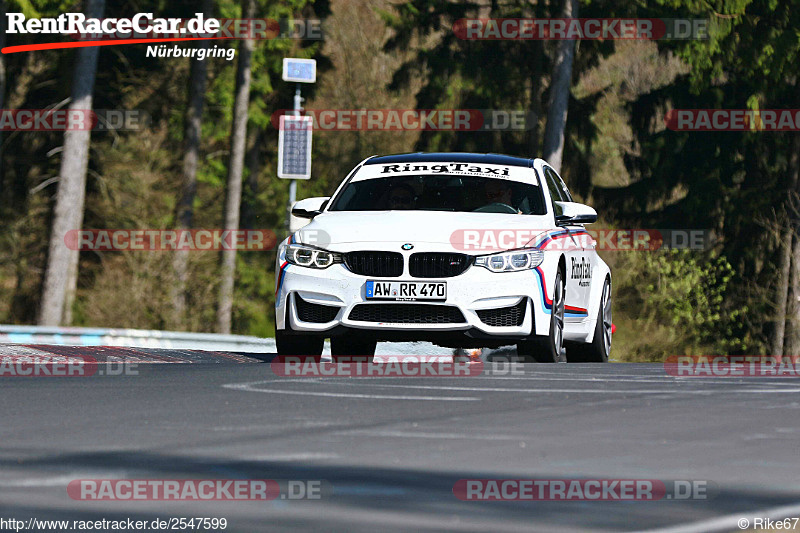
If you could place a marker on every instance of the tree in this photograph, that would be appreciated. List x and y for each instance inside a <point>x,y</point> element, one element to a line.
<point>2,79</point>
<point>788,272</point>
<point>558,101</point>
<point>233,192</point>
<point>782,291</point>
<point>61,274</point>
<point>455,71</point>
<point>727,181</point>
<point>193,120</point>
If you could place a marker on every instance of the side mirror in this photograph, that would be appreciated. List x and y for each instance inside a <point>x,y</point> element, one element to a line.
<point>574,213</point>
<point>310,207</point>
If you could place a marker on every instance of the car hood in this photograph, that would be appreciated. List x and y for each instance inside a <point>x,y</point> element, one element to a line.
<point>350,230</point>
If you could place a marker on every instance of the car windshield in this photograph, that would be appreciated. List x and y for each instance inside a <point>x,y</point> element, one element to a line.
<point>441,192</point>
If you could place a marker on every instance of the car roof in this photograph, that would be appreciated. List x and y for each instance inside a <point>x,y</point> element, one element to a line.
<point>452,157</point>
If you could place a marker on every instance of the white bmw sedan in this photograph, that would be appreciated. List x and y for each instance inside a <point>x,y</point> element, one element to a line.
<point>462,250</point>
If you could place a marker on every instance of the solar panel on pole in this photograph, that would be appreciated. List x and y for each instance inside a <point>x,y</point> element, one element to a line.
<point>294,147</point>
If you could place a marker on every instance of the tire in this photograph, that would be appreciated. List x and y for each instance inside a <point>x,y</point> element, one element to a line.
<point>548,349</point>
<point>298,344</point>
<point>353,347</point>
<point>598,350</point>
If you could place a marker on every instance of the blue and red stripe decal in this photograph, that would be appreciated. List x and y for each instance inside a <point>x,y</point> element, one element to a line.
<point>547,302</point>
<point>547,238</point>
<point>282,274</point>
<point>573,311</point>
<point>541,243</point>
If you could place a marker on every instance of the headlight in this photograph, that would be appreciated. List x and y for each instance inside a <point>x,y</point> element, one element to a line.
<point>297,254</point>
<point>513,261</point>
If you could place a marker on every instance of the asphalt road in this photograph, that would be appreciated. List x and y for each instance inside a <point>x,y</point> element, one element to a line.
<point>391,449</point>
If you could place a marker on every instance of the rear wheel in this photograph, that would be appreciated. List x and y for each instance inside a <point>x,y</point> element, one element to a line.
<point>298,344</point>
<point>598,350</point>
<point>548,349</point>
<point>353,347</point>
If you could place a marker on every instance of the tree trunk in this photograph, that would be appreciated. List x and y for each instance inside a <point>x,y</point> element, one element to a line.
<point>193,121</point>
<point>782,293</point>
<point>61,274</point>
<point>793,329</point>
<point>793,315</point>
<point>558,101</point>
<point>790,343</point>
<point>233,194</point>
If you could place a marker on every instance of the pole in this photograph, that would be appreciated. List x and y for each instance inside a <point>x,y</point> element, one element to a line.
<point>298,106</point>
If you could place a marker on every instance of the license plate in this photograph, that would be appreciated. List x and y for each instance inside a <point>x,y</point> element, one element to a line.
<point>406,290</point>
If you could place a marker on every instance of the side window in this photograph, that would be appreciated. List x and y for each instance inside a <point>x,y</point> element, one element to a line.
<point>567,195</point>
<point>554,188</point>
<point>553,185</point>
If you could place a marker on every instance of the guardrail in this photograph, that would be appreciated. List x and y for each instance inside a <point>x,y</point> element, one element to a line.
<point>176,340</point>
<point>134,338</point>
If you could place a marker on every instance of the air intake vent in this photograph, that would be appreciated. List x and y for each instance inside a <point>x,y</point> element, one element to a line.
<point>407,314</point>
<point>504,316</point>
<point>316,313</point>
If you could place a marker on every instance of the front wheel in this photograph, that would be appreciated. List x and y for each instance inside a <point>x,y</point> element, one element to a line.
<point>353,347</point>
<point>548,349</point>
<point>301,345</point>
<point>598,350</point>
<point>298,344</point>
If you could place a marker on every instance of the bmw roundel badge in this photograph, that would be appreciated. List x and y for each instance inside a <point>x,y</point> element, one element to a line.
<point>407,246</point>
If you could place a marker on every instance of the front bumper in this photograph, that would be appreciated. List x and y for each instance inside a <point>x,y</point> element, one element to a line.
<point>472,293</point>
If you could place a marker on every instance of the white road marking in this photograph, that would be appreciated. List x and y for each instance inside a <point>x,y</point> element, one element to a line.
<point>638,378</point>
<point>665,380</point>
<point>57,481</point>
<point>249,387</point>
<point>12,349</point>
<point>292,457</point>
<point>418,435</point>
<point>254,427</point>
<point>577,391</point>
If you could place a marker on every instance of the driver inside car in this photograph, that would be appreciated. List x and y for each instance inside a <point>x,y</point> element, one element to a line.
<point>400,197</point>
<point>499,192</point>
